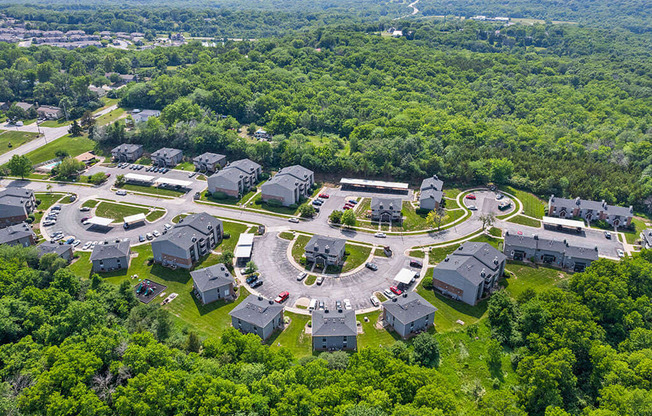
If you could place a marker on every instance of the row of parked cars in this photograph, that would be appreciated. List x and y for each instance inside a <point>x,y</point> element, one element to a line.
<point>154,234</point>
<point>52,216</point>
<point>350,204</point>
<point>134,166</point>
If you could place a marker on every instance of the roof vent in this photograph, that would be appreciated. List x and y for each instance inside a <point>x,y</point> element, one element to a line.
<point>460,248</point>
<point>393,299</point>
<point>260,298</point>
<point>577,201</point>
<point>495,260</point>
<point>405,294</point>
<point>194,239</point>
<point>326,311</point>
<point>447,258</point>
<point>536,237</point>
<point>271,302</point>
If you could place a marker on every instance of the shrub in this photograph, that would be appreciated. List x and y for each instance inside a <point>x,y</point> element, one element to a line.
<point>427,282</point>
<point>302,261</point>
<point>226,236</point>
<point>38,202</point>
<point>273,203</point>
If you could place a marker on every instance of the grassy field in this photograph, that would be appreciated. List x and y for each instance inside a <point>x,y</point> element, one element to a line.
<point>187,166</point>
<point>209,319</point>
<point>451,204</point>
<point>110,117</point>
<point>310,279</point>
<point>528,276</point>
<point>117,211</point>
<point>15,139</point>
<point>527,221</point>
<point>452,192</point>
<point>75,146</point>
<point>226,201</point>
<point>293,337</point>
<point>155,215</point>
<point>259,204</point>
<point>639,225</point>
<point>299,247</point>
<point>532,205</point>
<point>56,123</point>
<point>286,235</point>
<point>362,207</point>
<point>438,254</point>
<point>47,200</point>
<point>354,256</point>
<point>91,203</point>
<point>373,337</point>
<point>151,190</point>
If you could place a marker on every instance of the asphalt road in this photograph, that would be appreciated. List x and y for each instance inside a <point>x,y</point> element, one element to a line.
<point>50,134</point>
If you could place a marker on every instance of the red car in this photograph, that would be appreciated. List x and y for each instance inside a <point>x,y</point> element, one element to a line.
<point>470,196</point>
<point>345,208</point>
<point>282,297</point>
<point>325,196</point>
<point>396,290</point>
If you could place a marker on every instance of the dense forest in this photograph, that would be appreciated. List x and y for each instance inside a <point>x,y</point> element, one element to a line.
<point>86,347</point>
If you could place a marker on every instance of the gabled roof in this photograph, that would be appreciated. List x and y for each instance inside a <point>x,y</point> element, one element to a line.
<point>212,277</point>
<point>430,193</point>
<point>244,165</point>
<point>483,252</point>
<point>17,192</point>
<point>229,175</point>
<point>468,267</point>
<point>386,203</point>
<point>209,157</point>
<point>190,229</point>
<point>647,236</point>
<point>525,241</point>
<point>15,232</point>
<point>257,311</point>
<point>408,307</point>
<point>334,323</point>
<point>111,250</point>
<point>50,247</point>
<point>166,151</point>
<point>432,183</point>
<point>571,204</point>
<point>581,252</point>
<point>296,171</point>
<point>322,245</point>
<point>284,181</point>
<point>127,148</point>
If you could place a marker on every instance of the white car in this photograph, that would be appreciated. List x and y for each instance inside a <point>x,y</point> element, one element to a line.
<point>191,174</point>
<point>167,226</point>
<point>389,294</point>
<point>86,246</point>
<point>380,235</point>
<point>76,243</point>
<point>49,223</point>
<point>347,305</point>
<point>156,233</point>
<point>620,253</point>
<point>301,276</point>
<point>121,192</point>
<point>374,300</point>
<point>84,209</point>
<point>320,280</point>
<point>472,207</point>
<point>294,220</point>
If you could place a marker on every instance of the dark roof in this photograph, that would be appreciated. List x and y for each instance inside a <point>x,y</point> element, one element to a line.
<point>15,232</point>
<point>334,324</point>
<point>212,277</point>
<point>296,171</point>
<point>111,250</point>
<point>468,267</point>
<point>581,252</point>
<point>320,244</point>
<point>647,236</point>
<point>525,241</point>
<point>432,183</point>
<point>17,192</point>
<point>257,311</point>
<point>431,193</point>
<point>53,247</point>
<point>127,147</point>
<point>483,252</point>
<point>191,228</point>
<point>386,202</point>
<point>230,175</point>
<point>550,244</point>
<point>285,181</point>
<point>408,307</point>
<point>209,157</point>
<point>166,151</point>
<point>245,165</point>
<point>571,204</point>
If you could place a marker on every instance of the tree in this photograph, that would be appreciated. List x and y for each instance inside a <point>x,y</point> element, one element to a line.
<point>306,210</point>
<point>501,170</point>
<point>426,350</point>
<point>20,166</point>
<point>97,178</point>
<point>120,180</point>
<point>68,168</point>
<point>348,218</point>
<point>435,218</point>
<point>503,314</point>
<point>193,344</point>
<point>493,358</point>
<point>87,120</point>
<point>75,129</point>
<point>335,217</point>
<point>488,220</point>
<point>251,267</point>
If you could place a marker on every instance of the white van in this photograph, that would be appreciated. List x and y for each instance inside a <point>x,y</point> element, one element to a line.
<point>313,305</point>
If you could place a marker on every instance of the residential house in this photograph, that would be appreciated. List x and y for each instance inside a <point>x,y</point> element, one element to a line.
<point>101,92</point>
<point>111,255</point>
<point>15,205</point>
<point>213,283</point>
<point>646,238</point>
<point>386,209</point>
<point>261,134</point>
<point>335,330</point>
<point>209,162</point>
<point>4,106</point>
<point>470,273</point>
<point>62,250</point>
<point>236,178</point>
<point>431,193</point>
<point>257,315</point>
<point>289,185</point>
<point>560,253</point>
<point>127,152</point>
<point>189,240</point>
<point>590,210</point>
<point>408,314</point>
<point>325,251</point>
<point>49,112</point>
<point>167,157</point>
<point>18,235</point>
<point>24,106</point>
<point>141,116</point>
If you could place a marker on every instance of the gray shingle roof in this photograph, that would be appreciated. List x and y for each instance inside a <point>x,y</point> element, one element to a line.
<point>571,204</point>
<point>431,193</point>
<point>432,183</point>
<point>257,311</point>
<point>228,175</point>
<point>468,267</point>
<point>127,148</point>
<point>194,226</point>
<point>319,244</point>
<point>111,250</point>
<point>334,324</point>
<point>17,192</point>
<point>209,157</point>
<point>408,307</point>
<point>647,236</point>
<point>525,241</point>
<point>50,247</point>
<point>296,171</point>
<point>386,202</point>
<point>15,232</point>
<point>245,165</point>
<point>483,252</point>
<point>285,181</point>
<point>212,277</point>
<point>166,151</point>
<point>581,252</point>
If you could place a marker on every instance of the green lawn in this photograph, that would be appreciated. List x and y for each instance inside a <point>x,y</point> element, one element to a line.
<point>187,166</point>
<point>155,215</point>
<point>633,235</point>
<point>452,192</point>
<point>293,337</point>
<point>48,199</point>
<point>91,203</point>
<point>56,123</point>
<point>259,204</point>
<point>117,211</point>
<point>75,146</point>
<point>210,319</point>
<point>539,278</point>
<point>451,204</point>
<point>227,200</point>
<point>532,205</point>
<point>310,279</point>
<point>527,221</point>
<point>373,337</point>
<point>286,235</point>
<point>362,207</point>
<point>299,247</point>
<point>438,254</point>
<point>15,139</point>
<point>151,190</point>
<point>354,256</point>
<point>110,117</point>
<point>412,221</point>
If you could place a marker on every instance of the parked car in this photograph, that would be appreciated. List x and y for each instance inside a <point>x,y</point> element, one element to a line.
<point>607,235</point>
<point>380,235</point>
<point>416,263</point>
<point>149,236</point>
<point>156,233</point>
<point>320,280</point>
<point>256,283</point>
<point>294,220</point>
<point>86,246</point>
<point>346,208</point>
<point>472,207</point>
<point>56,208</point>
<point>251,279</point>
<point>317,202</point>
<point>374,300</point>
<point>395,290</point>
<point>499,197</point>
<point>141,238</point>
<point>84,209</point>
<point>389,294</point>
<point>282,297</point>
<point>321,305</point>
<point>313,305</point>
<point>167,226</point>
<point>84,219</point>
<point>470,196</point>
<point>338,304</point>
<point>301,276</point>
<point>347,305</point>
<point>372,266</point>
<point>353,201</point>
<point>121,192</point>
<point>49,223</point>
<point>620,253</point>
<point>76,243</point>
<point>325,196</point>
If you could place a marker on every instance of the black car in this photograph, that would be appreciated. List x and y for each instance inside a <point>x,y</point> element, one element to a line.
<point>252,279</point>
<point>256,284</point>
<point>371,266</point>
<point>416,263</point>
